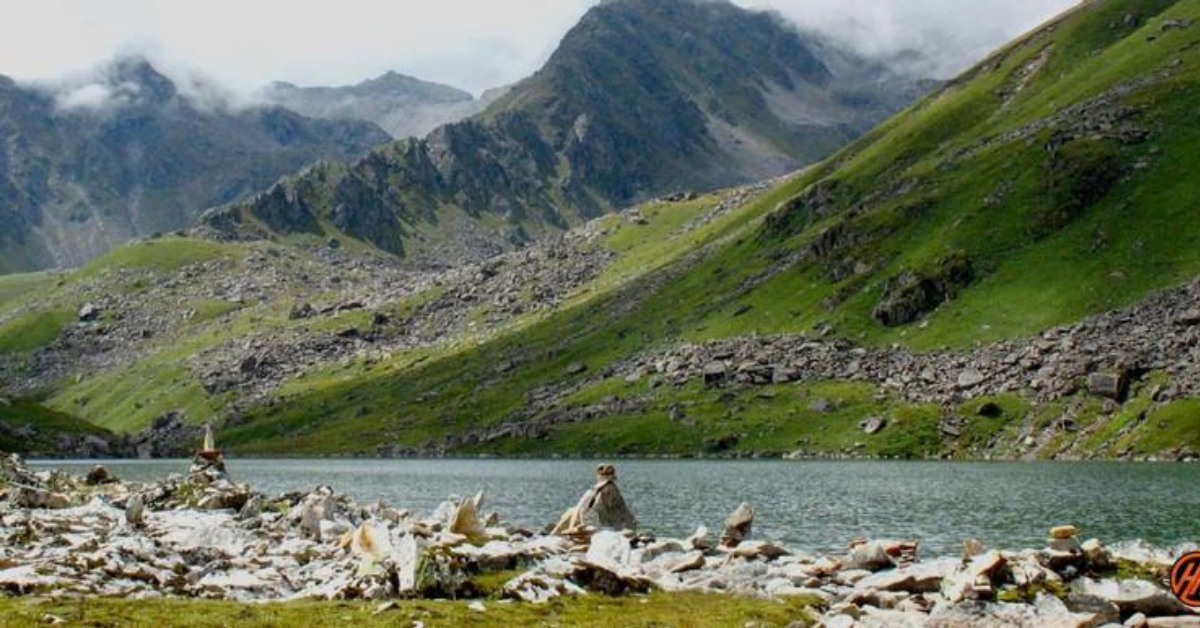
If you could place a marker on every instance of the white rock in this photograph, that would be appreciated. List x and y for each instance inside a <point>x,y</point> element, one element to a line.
<point>610,549</point>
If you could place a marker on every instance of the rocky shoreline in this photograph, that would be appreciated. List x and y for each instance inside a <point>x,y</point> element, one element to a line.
<point>204,536</point>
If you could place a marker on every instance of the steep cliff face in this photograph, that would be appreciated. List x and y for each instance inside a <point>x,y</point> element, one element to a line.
<point>85,167</point>
<point>641,98</point>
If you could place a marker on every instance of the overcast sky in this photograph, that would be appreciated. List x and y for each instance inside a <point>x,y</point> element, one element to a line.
<point>474,44</point>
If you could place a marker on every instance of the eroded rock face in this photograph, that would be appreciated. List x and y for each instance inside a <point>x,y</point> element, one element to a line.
<point>911,295</point>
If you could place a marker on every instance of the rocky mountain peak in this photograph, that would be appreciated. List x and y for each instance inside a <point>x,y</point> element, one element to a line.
<point>641,98</point>
<point>139,71</point>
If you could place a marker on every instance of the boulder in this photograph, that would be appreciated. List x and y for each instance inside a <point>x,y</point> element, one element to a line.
<point>539,588</point>
<point>1063,532</point>
<point>89,313</point>
<point>871,556</point>
<point>42,499</point>
<point>466,519</point>
<point>972,548</point>
<point>738,526</point>
<point>1105,611</point>
<point>1109,385</point>
<point>99,475</point>
<point>252,507</point>
<point>662,548</point>
<point>135,510</point>
<point>1097,556</point>
<point>699,539</point>
<point>366,542</point>
<point>970,378</point>
<point>753,550</point>
<point>610,549</point>
<point>1134,596</point>
<point>715,374</point>
<point>691,562</point>
<point>604,579</point>
<point>872,425</point>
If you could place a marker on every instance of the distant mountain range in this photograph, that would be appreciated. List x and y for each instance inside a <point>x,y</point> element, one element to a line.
<point>89,165</point>
<point>641,98</point>
<point>402,105</point>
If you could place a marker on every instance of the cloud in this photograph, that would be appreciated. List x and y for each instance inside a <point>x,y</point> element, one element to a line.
<point>938,38</point>
<point>137,76</point>
<point>474,44</point>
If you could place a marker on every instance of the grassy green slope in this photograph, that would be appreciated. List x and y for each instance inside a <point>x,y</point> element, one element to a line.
<point>939,181</point>
<point>30,427</point>
<point>1057,221</point>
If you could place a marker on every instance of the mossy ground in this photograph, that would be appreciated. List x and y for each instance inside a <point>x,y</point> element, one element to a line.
<point>658,609</point>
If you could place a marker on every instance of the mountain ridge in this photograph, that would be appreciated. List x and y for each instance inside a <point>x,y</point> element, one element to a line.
<point>402,105</point>
<point>715,95</point>
<point>87,166</point>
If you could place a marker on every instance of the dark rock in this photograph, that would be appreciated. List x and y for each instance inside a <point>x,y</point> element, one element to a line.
<point>721,443</point>
<point>89,313</point>
<point>715,374</point>
<point>1189,318</point>
<point>1105,611</point>
<point>952,427</point>
<point>910,295</point>
<point>301,311</point>
<point>99,475</point>
<point>990,410</point>
<point>1110,385</point>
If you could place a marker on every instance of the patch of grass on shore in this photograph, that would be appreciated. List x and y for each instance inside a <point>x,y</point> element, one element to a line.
<point>658,609</point>
<point>46,423</point>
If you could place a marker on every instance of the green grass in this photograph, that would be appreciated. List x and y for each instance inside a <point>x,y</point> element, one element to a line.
<point>47,425</point>
<point>163,254</point>
<point>211,309</point>
<point>1176,425</point>
<point>763,421</point>
<point>658,609</point>
<point>14,287</point>
<point>32,330</point>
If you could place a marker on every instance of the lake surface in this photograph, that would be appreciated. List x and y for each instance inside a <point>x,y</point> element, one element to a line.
<point>818,506</point>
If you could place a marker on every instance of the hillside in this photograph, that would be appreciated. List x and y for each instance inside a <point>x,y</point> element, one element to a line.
<point>1006,269</point>
<point>640,99</point>
<point>402,105</point>
<point>84,167</point>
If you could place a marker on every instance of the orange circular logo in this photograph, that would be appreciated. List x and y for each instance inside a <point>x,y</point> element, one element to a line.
<point>1185,579</point>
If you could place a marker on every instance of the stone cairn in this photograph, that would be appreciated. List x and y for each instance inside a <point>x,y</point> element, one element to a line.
<point>208,465</point>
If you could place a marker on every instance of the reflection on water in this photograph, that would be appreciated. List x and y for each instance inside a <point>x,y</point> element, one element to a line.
<point>814,505</point>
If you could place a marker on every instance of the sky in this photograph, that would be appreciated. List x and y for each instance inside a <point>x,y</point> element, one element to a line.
<point>472,44</point>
